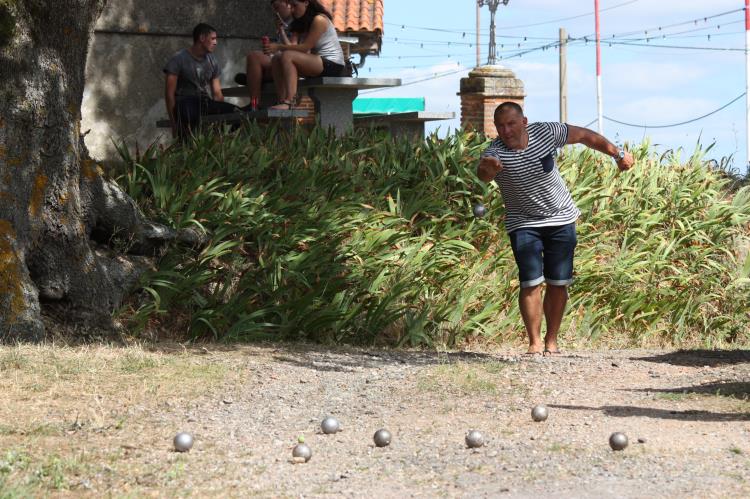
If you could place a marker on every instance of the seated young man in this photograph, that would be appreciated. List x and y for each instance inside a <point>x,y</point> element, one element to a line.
<point>192,87</point>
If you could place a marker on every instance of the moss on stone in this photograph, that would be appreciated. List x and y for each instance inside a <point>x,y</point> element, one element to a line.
<point>11,292</point>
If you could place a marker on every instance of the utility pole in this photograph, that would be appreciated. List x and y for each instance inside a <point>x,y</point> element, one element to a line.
<point>479,40</point>
<point>492,4</point>
<point>747,83</point>
<point>564,76</point>
<point>599,111</point>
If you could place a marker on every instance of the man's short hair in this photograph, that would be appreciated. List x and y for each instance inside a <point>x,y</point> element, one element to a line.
<point>506,106</point>
<point>201,30</point>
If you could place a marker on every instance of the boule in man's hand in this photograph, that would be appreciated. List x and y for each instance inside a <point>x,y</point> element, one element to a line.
<point>489,166</point>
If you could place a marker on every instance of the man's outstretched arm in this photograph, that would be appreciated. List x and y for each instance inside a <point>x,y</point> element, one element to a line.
<point>593,140</point>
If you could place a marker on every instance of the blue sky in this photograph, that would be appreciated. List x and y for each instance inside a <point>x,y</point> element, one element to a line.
<point>645,85</point>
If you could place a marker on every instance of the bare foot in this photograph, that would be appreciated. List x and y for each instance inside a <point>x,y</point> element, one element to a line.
<point>534,350</point>
<point>550,345</point>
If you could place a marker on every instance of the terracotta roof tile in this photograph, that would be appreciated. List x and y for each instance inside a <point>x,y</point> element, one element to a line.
<point>356,15</point>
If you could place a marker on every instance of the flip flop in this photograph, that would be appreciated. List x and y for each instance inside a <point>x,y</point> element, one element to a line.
<point>550,353</point>
<point>532,354</point>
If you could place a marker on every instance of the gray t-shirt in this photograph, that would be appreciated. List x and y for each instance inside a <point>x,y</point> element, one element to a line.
<point>193,75</point>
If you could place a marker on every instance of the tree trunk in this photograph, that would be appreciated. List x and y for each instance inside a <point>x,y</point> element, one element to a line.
<point>52,195</point>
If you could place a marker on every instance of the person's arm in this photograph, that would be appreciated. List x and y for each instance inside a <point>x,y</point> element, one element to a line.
<point>281,30</point>
<point>216,90</point>
<point>593,140</point>
<point>318,27</point>
<point>170,88</point>
<point>489,166</point>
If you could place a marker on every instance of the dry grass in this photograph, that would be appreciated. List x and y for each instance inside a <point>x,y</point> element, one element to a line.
<point>463,378</point>
<point>52,397</point>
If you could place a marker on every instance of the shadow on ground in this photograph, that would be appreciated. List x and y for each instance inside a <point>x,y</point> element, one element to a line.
<point>735,389</point>
<point>349,361</point>
<point>620,411</point>
<point>334,358</point>
<point>701,358</point>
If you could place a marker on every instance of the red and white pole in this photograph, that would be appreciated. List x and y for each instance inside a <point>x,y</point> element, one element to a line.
<point>747,83</point>
<point>599,112</point>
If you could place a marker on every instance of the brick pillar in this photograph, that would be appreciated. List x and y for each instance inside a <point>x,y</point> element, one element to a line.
<point>485,89</point>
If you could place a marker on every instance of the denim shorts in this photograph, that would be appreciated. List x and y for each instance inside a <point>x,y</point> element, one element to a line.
<point>544,254</point>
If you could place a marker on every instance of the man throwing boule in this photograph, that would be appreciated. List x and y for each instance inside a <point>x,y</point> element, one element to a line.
<point>540,213</point>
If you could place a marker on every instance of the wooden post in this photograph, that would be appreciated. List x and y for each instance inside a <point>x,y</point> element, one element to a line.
<point>747,84</point>
<point>479,40</point>
<point>563,76</point>
<point>599,107</point>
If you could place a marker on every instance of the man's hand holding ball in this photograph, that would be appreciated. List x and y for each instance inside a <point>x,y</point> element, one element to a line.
<point>489,166</point>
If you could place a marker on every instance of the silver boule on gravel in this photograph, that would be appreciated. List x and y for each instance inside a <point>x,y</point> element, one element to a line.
<point>479,210</point>
<point>183,442</point>
<point>539,413</point>
<point>330,425</point>
<point>382,437</point>
<point>302,451</point>
<point>618,441</point>
<point>474,439</point>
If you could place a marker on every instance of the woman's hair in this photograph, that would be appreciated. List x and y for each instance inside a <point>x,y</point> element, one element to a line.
<point>302,24</point>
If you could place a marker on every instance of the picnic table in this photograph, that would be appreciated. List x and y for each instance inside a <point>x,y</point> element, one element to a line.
<point>240,116</point>
<point>410,124</point>
<point>332,96</point>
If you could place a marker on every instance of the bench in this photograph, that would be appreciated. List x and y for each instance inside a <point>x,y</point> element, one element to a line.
<point>332,96</point>
<point>241,116</point>
<point>410,124</point>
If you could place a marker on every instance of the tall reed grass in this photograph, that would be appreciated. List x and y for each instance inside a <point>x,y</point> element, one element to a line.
<point>370,240</point>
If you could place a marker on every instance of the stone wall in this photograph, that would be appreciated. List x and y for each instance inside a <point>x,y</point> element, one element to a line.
<point>124,94</point>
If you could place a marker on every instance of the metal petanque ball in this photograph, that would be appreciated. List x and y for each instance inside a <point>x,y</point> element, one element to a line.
<point>330,425</point>
<point>302,451</point>
<point>474,439</point>
<point>479,210</point>
<point>183,442</point>
<point>539,413</point>
<point>382,437</point>
<point>618,441</point>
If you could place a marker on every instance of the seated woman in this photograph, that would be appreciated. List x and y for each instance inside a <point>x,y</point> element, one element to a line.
<point>314,28</point>
<point>258,64</point>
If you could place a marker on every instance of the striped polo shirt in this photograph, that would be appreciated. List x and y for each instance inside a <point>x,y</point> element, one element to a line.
<point>534,193</point>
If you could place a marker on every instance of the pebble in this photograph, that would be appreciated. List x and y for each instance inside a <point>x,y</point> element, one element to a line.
<point>387,392</point>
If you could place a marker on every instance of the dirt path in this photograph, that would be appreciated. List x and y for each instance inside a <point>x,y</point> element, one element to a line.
<point>100,421</point>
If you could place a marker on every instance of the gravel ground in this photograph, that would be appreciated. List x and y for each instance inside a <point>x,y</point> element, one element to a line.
<point>686,414</point>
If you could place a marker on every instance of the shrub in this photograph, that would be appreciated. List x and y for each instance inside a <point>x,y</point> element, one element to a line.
<point>366,239</point>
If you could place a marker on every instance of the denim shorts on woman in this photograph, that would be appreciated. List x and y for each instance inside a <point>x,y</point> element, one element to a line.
<point>544,254</point>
